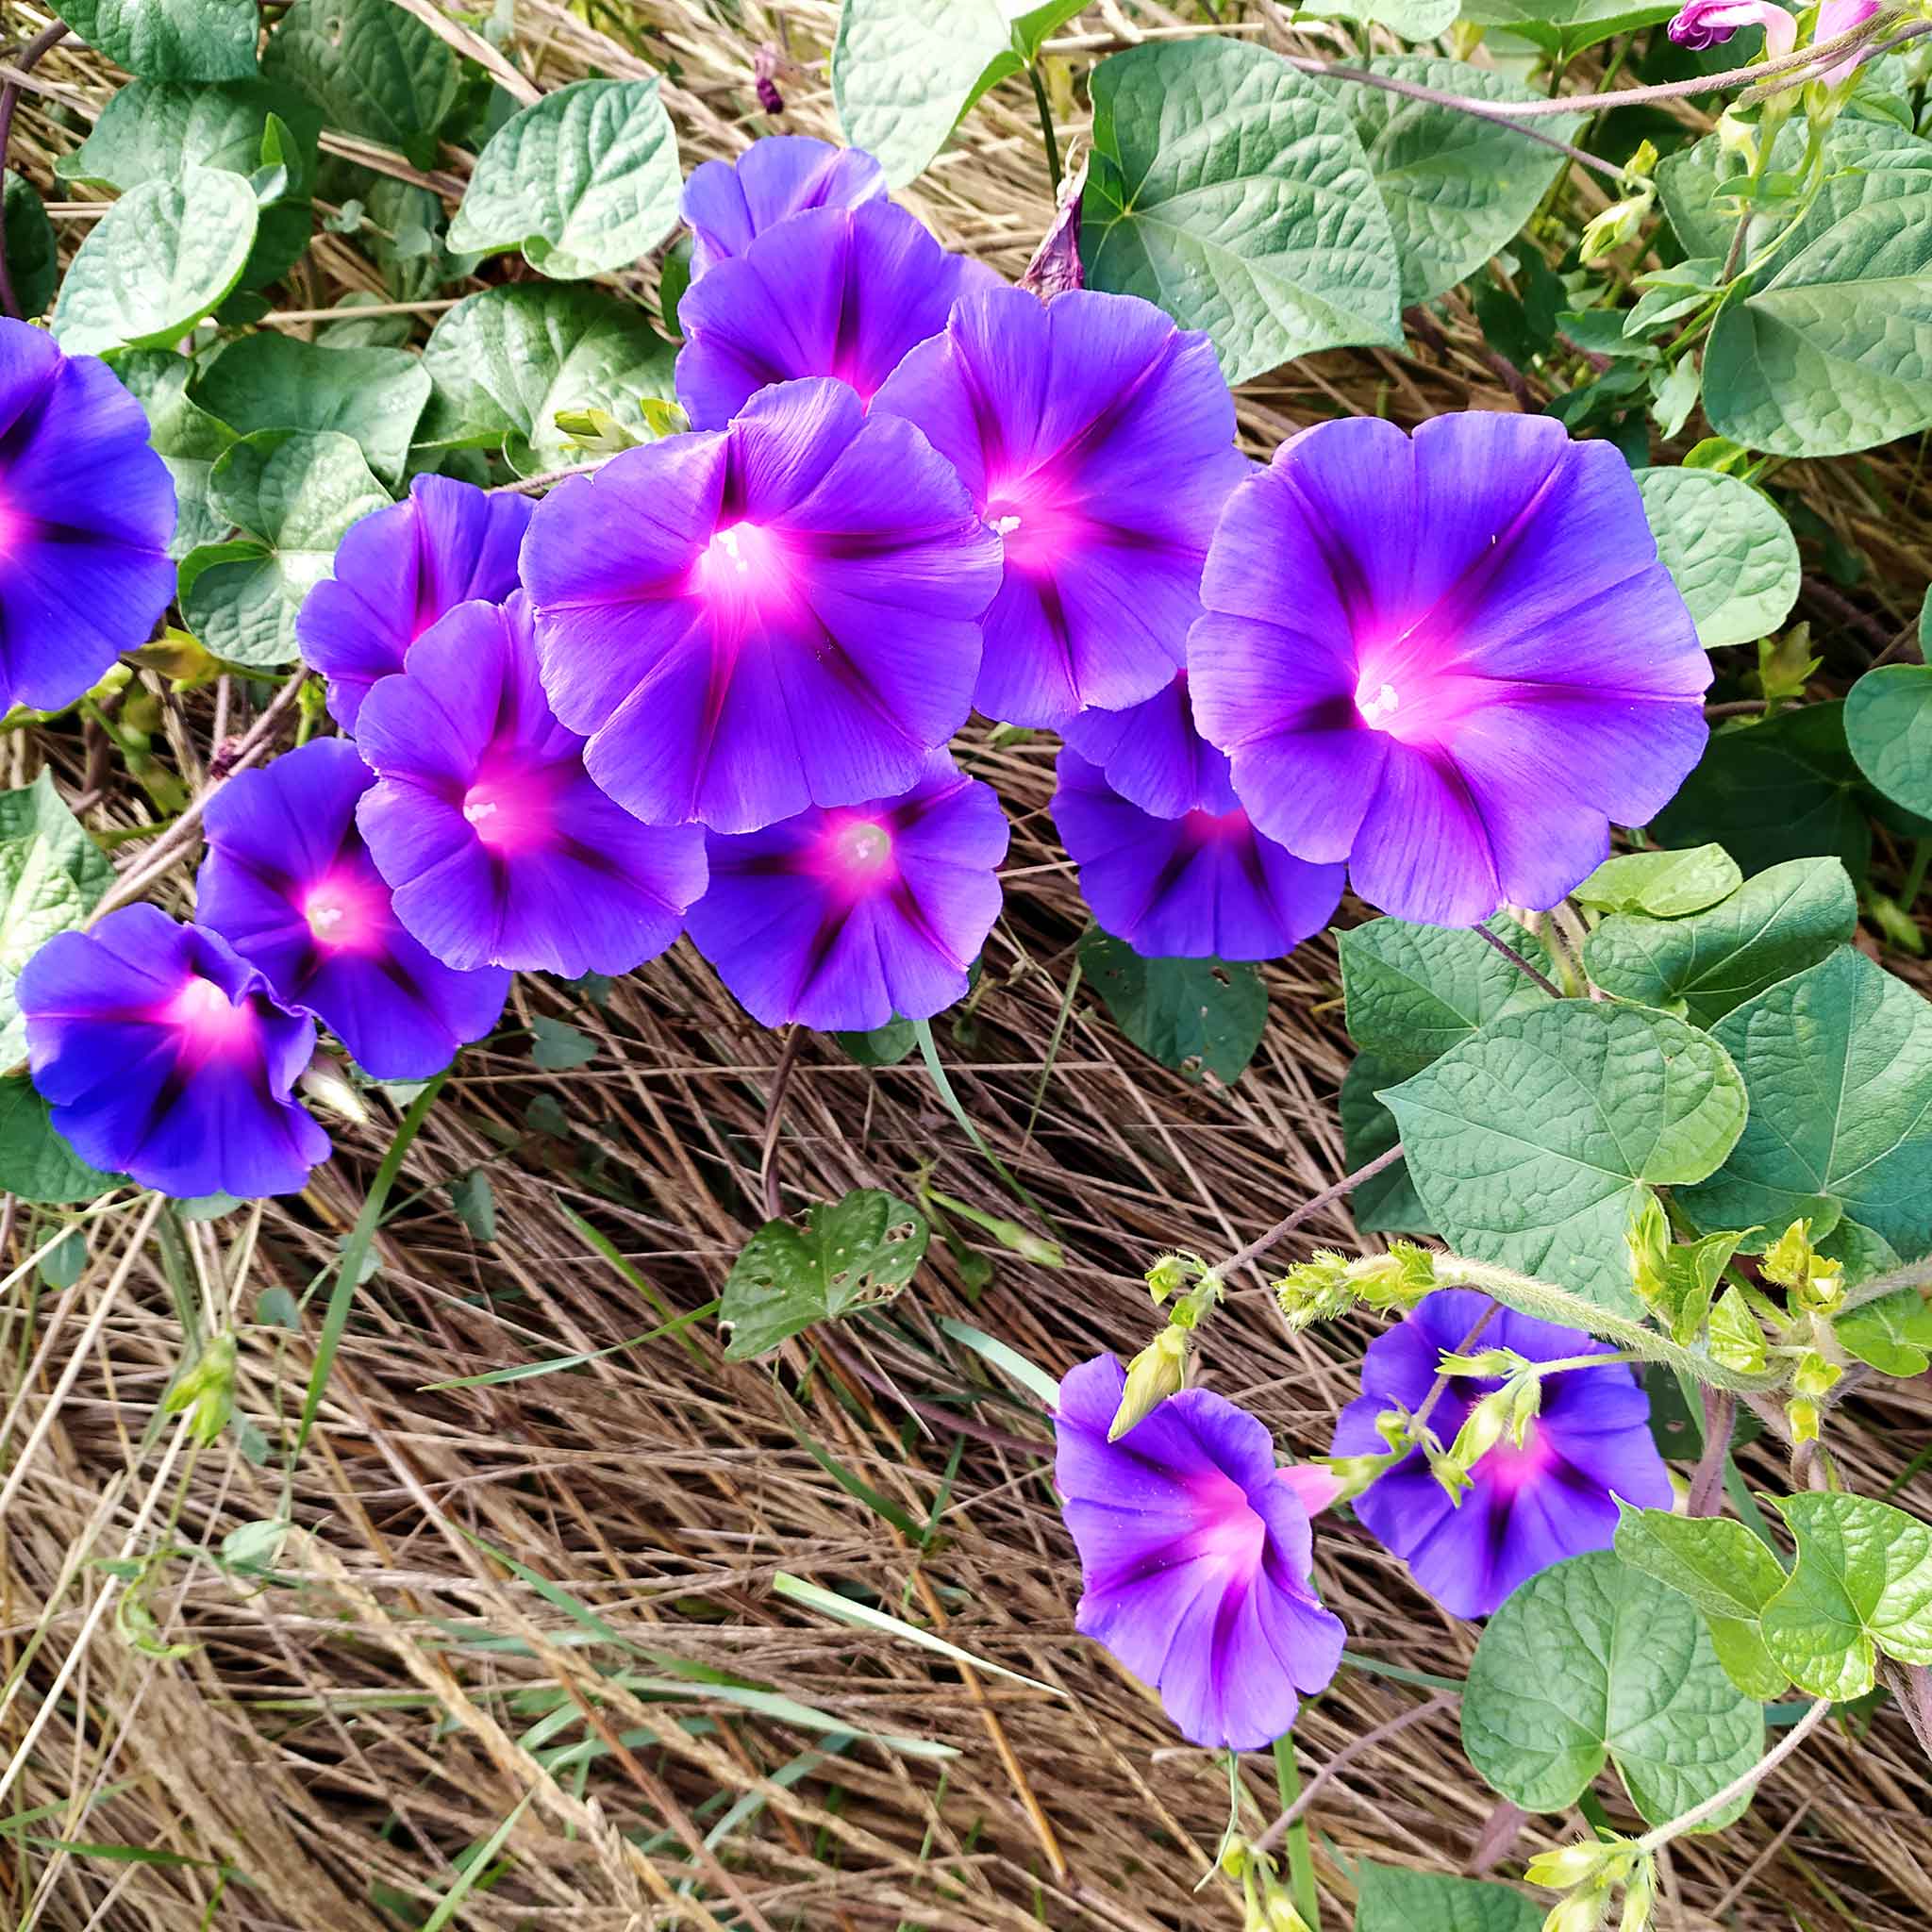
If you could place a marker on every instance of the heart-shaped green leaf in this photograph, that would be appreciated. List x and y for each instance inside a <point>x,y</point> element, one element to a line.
<point>1731,555</point>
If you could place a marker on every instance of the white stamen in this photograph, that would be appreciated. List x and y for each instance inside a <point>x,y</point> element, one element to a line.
<point>322,917</point>
<point>1382,703</point>
<point>1005,527</point>
<point>478,810</point>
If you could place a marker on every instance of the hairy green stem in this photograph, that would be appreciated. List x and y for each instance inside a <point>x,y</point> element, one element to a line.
<point>1746,1781</point>
<point>1549,1303</point>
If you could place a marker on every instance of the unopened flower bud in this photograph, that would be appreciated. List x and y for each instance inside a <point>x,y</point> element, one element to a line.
<point>1282,1916</point>
<point>1153,1375</point>
<point>207,1391</point>
<point>1352,1474</point>
<point>1482,1430</point>
<point>1648,1238</point>
<point>1170,1274</point>
<point>1314,1290</point>
<point>326,1081</point>
<point>1737,139</point>
<point>1817,1285</point>
<point>1639,1895</point>
<point>1801,1412</point>
<point>1618,223</point>
<point>1486,1363</point>
<point>1582,1911</point>
<point>1569,1865</point>
<point>1814,1375</point>
<point>1525,1394</point>
<point>1234,1857</point>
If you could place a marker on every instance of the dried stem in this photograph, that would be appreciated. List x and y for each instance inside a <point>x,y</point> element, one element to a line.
<point>1368,1740</point>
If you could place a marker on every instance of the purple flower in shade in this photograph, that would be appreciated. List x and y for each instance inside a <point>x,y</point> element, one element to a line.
<point>842,918</point>
<point>1451,659</point>
<point>1097,438</point>
<point>497,845</point>
<point>1527,1508</point>
<point>729,204</point>
<point>288,883</point>
<point>1203,885</point>
<point>841,292</point>
<point>86,511</point>
<point>165,1058</point>
<point>1151,752</point>
<point>397,571</point>
<point>750,621</point>
<point>1195,1557</point>
<point>1711,23</point>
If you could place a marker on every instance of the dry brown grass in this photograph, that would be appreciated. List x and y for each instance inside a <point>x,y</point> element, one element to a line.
<point>478,1578</point>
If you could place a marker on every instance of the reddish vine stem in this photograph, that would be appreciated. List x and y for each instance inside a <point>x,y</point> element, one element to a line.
<point>1522,965</point>
<point>1289,1222</point>
<point>1707,1480</point>
<point>9,99</point>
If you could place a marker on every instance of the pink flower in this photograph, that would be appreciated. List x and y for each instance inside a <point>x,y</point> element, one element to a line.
<point>1711,23</point>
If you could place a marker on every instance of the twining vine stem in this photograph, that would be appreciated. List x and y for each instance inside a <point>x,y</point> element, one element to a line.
<point>1357,1748</point>
<point>1289,1222</point>
<point>1739,1785</point>
<point>9,98</point>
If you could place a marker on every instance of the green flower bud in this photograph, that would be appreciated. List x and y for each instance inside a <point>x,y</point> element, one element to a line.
<point>1814,1375</point>
<point>1488,1363</point>
<point>1617,224</point>
<point>1169,1275</point>
<point>1356,1473</point>
<point>1582,1911</point>
<point>1803,1413</point>
<point>1153,1375</point>
<point>1525,1404</point>
<point>1314,1290</point>
<point>1639,1895</point>
<point>1569,1865</point>
<point>1648,1238</point>
<point>206,1392</point>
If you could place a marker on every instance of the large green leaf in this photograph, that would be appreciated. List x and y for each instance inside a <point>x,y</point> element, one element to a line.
<point>852,1254</point>
<point>1888,731</point>
<point>905,71</point>
<point>1779,923</point>
<point>1862,1585</point>
<point>1832,352</point>
<point>33,261</point>
<point>1697,183</point>
<point>584,181</point>
<point>1411,993</point>
<point>1394,1899</point>
<point>186,438</point>
<point>294,495</point>
<point>374,71</point>
<point>170,40</point>
<point>1193,1015</point>
<point>1838,1062</point>
<point>1785,789</point>
<point>1531,1142</point>
<point>1234,192</point>
<point>1664,884</point>
<point>1719,1564</point>
<point>1410,20</point>
<point>1893,1334</point>
<point>35,1162</point>
<point>52,875</point>
<point>165,255</point>
<point>1456,187</point>
<point>153,128</point>
<point>1386,1203</point>
<point>272,381</point>
<point>1592,1661</point>
<point>1733,557</point>
<point>504,362</point>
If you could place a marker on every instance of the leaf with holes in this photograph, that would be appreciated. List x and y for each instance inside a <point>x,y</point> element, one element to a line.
<point>1862,1585</point>
<point>270,381</point>
<point>1590,1661</point>
<point>1192,1015</point>
<point>1456,187</point>
<point>165,255</point>
<point>1707,964</point>
<point>295,494</point>
<point>1837,1064</point>
<point>506,361</point>
<point>851,1254</point>
<point>584,181</point>
<point>1532,1141</point>
<point>1234,193</point>
<point>170,40</point>
<point>52,875</point>
<point>1731,554</point>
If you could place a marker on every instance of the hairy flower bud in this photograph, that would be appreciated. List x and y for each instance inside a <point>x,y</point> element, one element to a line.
<point>1569,1865</point>
<point>1817,1285</point>
<point>1153,1375</point>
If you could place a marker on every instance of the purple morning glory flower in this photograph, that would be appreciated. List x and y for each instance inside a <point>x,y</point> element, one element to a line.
<point>842,917</point>
<point>1195,1557</point>
<point>1452,659</point>
<point>747,622</point>
<point>729,204</point>
<point>1711,23</point>
<point>397,571</point>
<point>1203,885</point>
<point>288,883</point>
<point>499,848</point>
<point>1527,1508</point>
<point>86,511</point>
<point>841,292</point>
<point>165,1058</point>
<point>1151,752</point>
<point>1097,438</point>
